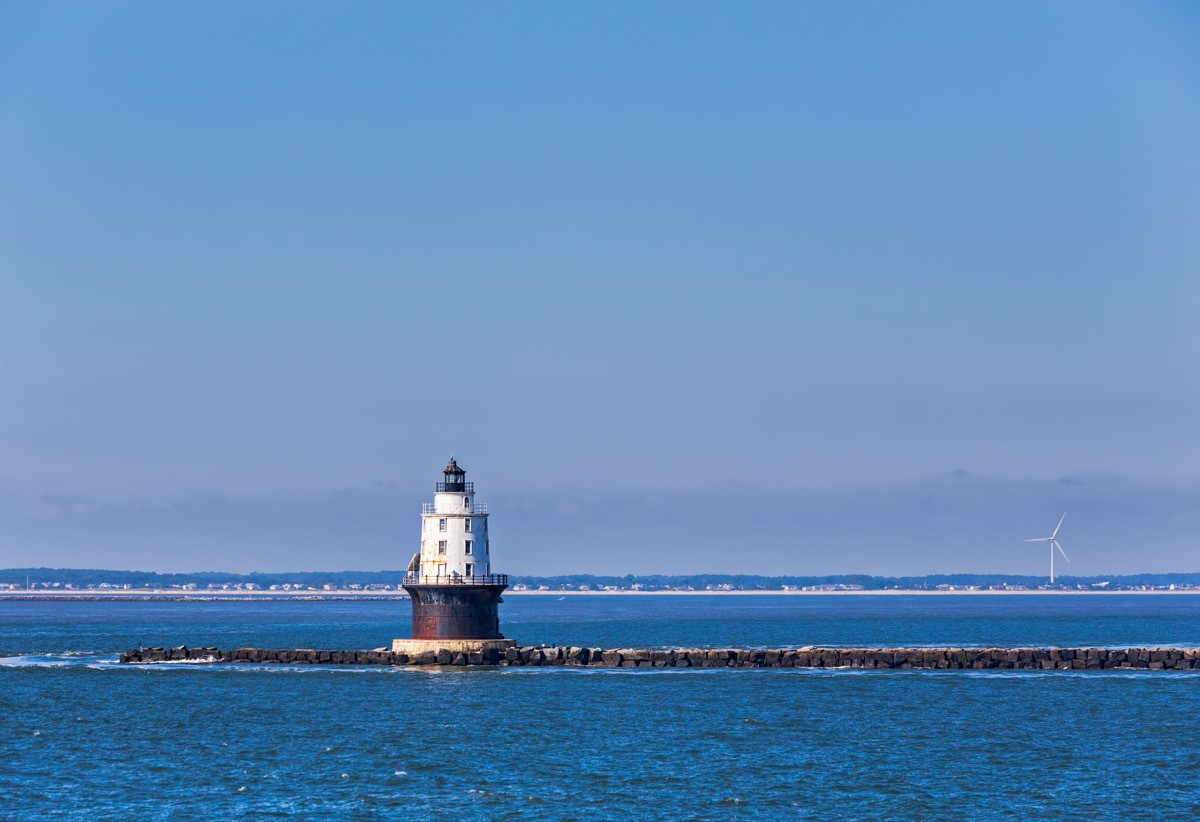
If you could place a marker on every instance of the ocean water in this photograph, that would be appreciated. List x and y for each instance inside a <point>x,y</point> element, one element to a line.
<point>85,738</point>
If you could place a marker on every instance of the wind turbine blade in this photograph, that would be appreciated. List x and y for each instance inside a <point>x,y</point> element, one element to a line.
<point>1056,527</point>
<point>1061,551</point>
<point>1039,539</point>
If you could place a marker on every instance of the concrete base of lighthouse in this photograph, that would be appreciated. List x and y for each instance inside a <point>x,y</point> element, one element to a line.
<point>412,647</point>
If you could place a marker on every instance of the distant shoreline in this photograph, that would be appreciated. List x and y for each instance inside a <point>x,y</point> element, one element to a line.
<point>873,592</point>
<point>891,592</point>
<point>151,595</point>
<point>198,596</point>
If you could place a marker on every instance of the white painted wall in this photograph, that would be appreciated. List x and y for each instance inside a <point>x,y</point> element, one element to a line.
<point>455,510</point>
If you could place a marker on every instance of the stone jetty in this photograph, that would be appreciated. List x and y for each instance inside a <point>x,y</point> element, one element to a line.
<point>1027,658</point>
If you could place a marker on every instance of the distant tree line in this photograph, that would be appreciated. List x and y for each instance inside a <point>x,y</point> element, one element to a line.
<point>867,582</point>
<point>83,577</point>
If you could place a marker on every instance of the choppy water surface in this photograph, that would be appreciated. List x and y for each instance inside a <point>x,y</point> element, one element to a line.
<point>86,738</point>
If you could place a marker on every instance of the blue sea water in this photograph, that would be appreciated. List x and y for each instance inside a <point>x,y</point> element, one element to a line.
<point>86,738</point>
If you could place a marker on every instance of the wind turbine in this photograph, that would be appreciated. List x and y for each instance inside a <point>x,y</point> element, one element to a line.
<point>1052,539</point>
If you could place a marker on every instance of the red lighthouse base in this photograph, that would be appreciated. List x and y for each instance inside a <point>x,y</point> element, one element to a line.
<point>456,610</point>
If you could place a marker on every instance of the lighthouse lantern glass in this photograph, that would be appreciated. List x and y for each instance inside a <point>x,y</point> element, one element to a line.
<point>453,478</point>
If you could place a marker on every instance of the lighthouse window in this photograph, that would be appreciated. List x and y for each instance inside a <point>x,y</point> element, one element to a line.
<point>441,546</point>
<point>441,525</point>
<point>470,569</point>
<point>468,546</point>
<point>468,523</point>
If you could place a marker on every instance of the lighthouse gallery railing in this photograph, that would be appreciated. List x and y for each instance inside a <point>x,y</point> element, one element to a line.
<point>477,508</point>
<point>450,579</point>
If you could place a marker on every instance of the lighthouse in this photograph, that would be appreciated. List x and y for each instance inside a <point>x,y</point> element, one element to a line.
<point>455,595</point>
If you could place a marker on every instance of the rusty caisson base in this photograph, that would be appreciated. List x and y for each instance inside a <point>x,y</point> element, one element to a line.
<point>455,611</point>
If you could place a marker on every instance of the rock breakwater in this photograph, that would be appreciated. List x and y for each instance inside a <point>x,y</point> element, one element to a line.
<point>1028,658</point>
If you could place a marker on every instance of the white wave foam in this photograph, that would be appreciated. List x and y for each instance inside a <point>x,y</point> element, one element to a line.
<point>32,662</point>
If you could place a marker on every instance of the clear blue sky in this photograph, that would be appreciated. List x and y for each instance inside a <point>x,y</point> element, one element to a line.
<point>685,287</point>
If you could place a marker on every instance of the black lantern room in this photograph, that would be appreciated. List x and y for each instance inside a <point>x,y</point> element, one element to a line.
<point>455,478</point>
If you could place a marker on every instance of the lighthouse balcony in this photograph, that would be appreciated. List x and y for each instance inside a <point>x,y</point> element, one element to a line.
<point>455,579</point>
<point>477,508</point>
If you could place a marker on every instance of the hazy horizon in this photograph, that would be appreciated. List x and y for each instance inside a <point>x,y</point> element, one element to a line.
<point>956,523</point>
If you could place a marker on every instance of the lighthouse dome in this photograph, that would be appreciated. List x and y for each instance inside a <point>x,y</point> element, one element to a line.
<point>453,478</point>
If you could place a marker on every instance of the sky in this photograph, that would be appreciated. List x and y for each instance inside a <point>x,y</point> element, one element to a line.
<point>782,288</point>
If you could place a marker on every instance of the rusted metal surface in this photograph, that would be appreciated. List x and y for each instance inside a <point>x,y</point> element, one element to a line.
<point>455,611</point>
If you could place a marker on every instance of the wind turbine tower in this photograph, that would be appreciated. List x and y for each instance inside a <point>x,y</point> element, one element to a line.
<point>1053,540</point>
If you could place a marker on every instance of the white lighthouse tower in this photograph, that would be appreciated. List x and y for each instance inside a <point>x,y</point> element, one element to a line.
<point>455,595</point>
<point>454,534</point>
